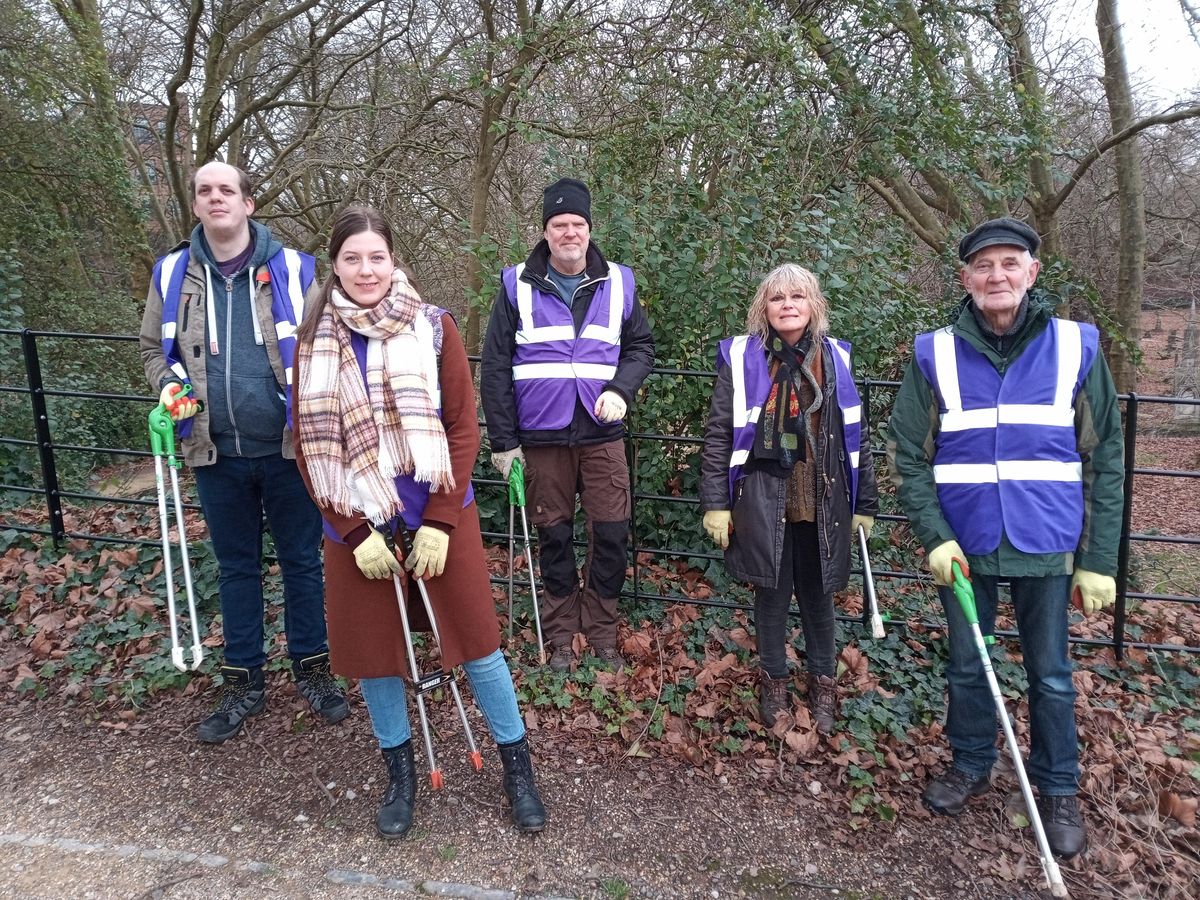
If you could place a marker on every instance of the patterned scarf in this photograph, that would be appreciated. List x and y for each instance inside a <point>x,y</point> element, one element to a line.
<point>782,438</point>
<point>356,439</point>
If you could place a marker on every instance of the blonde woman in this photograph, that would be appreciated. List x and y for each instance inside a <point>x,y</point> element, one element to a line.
<point>786,478</point>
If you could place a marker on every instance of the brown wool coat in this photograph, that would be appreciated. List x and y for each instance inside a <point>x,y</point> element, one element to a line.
<point>365,637</point>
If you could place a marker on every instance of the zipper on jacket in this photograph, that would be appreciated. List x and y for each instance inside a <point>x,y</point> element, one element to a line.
<point>237,440</point>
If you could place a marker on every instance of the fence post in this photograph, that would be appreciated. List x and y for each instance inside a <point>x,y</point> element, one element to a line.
<point>41,427</point>
<point>1131,411</point>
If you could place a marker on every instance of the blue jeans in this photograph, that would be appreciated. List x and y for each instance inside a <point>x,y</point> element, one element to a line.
<point>1041,610</point>
<point>234,493</point>
<point>491,683</point>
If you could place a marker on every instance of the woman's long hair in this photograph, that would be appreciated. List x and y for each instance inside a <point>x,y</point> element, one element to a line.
<point>782,280</point>
<point>350,221</point>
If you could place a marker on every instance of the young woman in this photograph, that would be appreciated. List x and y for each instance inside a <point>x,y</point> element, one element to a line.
<point>786,477</point>
<point>386,430</point>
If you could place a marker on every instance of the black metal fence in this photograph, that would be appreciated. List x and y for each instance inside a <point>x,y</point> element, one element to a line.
<point>39,389</point>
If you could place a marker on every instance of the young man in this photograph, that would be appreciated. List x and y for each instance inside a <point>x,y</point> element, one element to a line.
<point>221,316</point>
<point>567,348</point>
<point>1007,455</point>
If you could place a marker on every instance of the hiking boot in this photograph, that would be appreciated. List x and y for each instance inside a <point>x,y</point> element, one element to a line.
<point>319,688</point>
<point>561,659</point>
<point>823,701</point>
<point>772,697</point>
<point>610,658</point>
<point>947,795</point>
<point>528,813</point>
<point>1065,831</point>
<point>243,693</point>
<point>395,814</point>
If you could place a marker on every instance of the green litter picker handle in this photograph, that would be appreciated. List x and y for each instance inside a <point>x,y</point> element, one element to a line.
<point>516,483</point>
<point>966,598</point>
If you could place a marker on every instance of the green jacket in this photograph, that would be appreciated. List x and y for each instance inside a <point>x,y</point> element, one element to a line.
<point>912,441</point>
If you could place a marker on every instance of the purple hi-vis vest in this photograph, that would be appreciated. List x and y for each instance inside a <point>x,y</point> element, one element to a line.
<point>1007,457</point>
<point>291,274</point>
<point>553,366</point>
<point>747,359</point>
<point>413,494</point>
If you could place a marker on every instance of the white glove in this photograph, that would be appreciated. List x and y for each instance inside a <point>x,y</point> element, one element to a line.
<point>502,460</point>
<point>374,559</point>
<point>940,559</point>
<point>180,408</point>
<point>610,407</point>
<point>1093,592</point>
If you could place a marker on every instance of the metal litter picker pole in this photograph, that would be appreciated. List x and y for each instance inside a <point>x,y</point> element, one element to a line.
<point>966,600</point>
<point>516,500</point>
<point>423,684</point>
<point>869,585</point>
<point>162,444</point>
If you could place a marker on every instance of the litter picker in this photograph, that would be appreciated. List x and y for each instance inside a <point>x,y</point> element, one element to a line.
<point>869,585</point>
<point>516,500</point>
<point>162,444</point>
<point>423,684</point>
<point>966,599</point>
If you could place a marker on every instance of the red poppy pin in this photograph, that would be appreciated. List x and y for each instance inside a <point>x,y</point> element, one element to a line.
<point>263,276</point>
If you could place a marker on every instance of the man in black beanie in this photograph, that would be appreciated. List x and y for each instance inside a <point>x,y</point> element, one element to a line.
<point>567,348</point>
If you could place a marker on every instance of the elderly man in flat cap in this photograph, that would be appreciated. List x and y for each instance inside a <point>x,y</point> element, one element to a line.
<point>1007,455</point>
<point>567,348</point>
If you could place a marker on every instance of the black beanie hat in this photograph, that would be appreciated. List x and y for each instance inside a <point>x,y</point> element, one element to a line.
<point>567,196</point>
<point>1007,231</point>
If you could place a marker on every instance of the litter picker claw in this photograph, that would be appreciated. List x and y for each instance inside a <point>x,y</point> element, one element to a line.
<point>516,500</point>
<point>877,631</point>
<point>966,600</point>
<point>162,444</point>
<point>423,684</point>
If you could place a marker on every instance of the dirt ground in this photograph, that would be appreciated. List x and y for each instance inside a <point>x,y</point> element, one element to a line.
<point>141,809</point>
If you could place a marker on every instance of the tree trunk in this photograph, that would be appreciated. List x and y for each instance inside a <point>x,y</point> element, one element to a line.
<point>1126,302</point>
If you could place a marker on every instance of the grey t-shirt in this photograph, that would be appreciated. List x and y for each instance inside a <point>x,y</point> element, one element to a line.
<point>566,285</point>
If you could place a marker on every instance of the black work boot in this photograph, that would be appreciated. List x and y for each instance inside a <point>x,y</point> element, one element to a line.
<point>1065,831</point>
<point>947,795</point>
<point>317,685</point>
<point>395,814</point>
<point>243,693</point>
<point>561,658</point>
<point>527,811</point>
<point>772,697</point>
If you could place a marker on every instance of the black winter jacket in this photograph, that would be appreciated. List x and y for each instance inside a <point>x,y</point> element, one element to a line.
<point>495,374</point>
<point>760,498</point>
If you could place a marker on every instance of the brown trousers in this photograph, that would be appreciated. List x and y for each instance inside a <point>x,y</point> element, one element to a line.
<point>599,474</point>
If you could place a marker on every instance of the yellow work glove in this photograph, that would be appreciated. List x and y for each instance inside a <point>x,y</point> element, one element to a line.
<point>610,407</point>
<point>940,558</point>
<point>1092,592</point>
<point>867,523</point>
<point>428,557</point>
<point>719,523</point>
<point>183,408</point>
<point>502,460</point>
<point>374,559</point>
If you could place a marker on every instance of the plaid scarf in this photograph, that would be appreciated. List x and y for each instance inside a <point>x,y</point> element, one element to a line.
<point>357,438</point>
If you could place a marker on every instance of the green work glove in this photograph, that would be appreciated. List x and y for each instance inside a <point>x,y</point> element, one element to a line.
<point>719,523</point>
<point>867,523</point>
<point>1092,592</point>
<point>374,559</point>
<point>428,556</point>
<point>940,558</point>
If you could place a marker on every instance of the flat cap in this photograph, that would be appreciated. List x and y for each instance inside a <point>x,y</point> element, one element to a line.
<point>1007,231</point>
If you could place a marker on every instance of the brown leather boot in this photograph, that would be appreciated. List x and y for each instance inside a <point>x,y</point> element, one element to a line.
<point>822,701</point>
<point>772,697</point>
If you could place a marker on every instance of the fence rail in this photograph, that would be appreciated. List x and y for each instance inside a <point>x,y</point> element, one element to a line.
<point>53,494</point>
